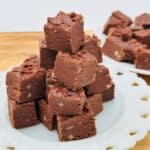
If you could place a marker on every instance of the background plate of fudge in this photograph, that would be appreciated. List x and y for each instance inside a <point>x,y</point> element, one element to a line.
<point>67,98</point>
<point>128,41</point>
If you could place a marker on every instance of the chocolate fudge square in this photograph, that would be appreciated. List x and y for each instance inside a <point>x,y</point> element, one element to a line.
<point>96,103</point>
<point>63,101</point>
<point>131,50</point>
<point>120,50</point>
<point>109,93</point>
<point>64,32</point>
<point>47,56</point>
<point>101,82</point>
<point>27,82</point>
<point>123,32</point>
<point>143,20</point>
<point>76,127</point>
<point>143,59</point>
<point>50,80</point>
<point>22,115</point>
<point>142,36</point>
<point>117,19</point>
<point>92,45</point>
<point>45,115</point>
<point>75,71</point>
<point>114,48</point>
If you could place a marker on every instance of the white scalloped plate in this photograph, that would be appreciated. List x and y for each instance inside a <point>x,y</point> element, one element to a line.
<point>124,121</point>
<point>129,66</point>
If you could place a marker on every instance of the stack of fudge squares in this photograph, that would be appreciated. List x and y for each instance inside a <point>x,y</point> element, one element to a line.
<point>65,87</point>
<point>128,41</point>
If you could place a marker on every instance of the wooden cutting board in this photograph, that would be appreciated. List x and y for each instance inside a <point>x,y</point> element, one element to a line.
<point>15,47</point>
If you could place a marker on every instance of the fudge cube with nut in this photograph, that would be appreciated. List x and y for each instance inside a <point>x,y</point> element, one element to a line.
<point>26,82</point>
<point>143,59</point>
<point>45,115</point>
<point>22,115</point>
<point>75,71</point>
<point>96,103</point>
<point>143,20</point>
<point>63,101</point>
<point>114,48</point>
<point>120,50</point>
<point>117,19</point>
<point>76,127</point>
<point>123,32</point>
<point>101,82</point>
<point>142,36</point>
<point>47,56</point>
<point>92,45</point>
<point>108,93</point>
<point>64,32</point>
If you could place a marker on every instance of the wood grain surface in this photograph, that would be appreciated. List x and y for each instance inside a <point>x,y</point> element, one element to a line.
<point>15,47</point>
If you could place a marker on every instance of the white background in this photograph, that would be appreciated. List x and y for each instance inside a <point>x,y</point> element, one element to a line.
<point>30,15</point>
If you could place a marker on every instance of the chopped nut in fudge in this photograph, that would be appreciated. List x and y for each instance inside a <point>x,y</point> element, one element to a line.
<point>109,93</point>
<point>75,71</point>
<point>47,56</point>
<point>63,101</point>
<point>92,45</point>
<point>143,20</point>
<point>96,103</point>
<point>117,19</point>
<point>64,32</point>
<point>76,127</point>
<point>22,115</point>
<point>101,82</point>
<point>114,48</point>
<point>142,36</point>
<point>143,59</point>
<point>120,50</point>
<point>26,82</point>
<point>45,115</point>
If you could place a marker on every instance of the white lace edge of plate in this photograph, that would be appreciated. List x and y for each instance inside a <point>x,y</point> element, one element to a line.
<point>133,126</point>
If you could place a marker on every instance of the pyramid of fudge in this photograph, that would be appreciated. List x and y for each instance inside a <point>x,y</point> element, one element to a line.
<point>65,87</point>
<point>128,40</point>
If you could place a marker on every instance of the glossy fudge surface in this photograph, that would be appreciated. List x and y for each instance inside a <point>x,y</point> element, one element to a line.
<point>63,101</point>
<point>22,115</point>
<point>76,127</point>
<point>64,32</point>
<point>75,71</point>
<point>26,82</point>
